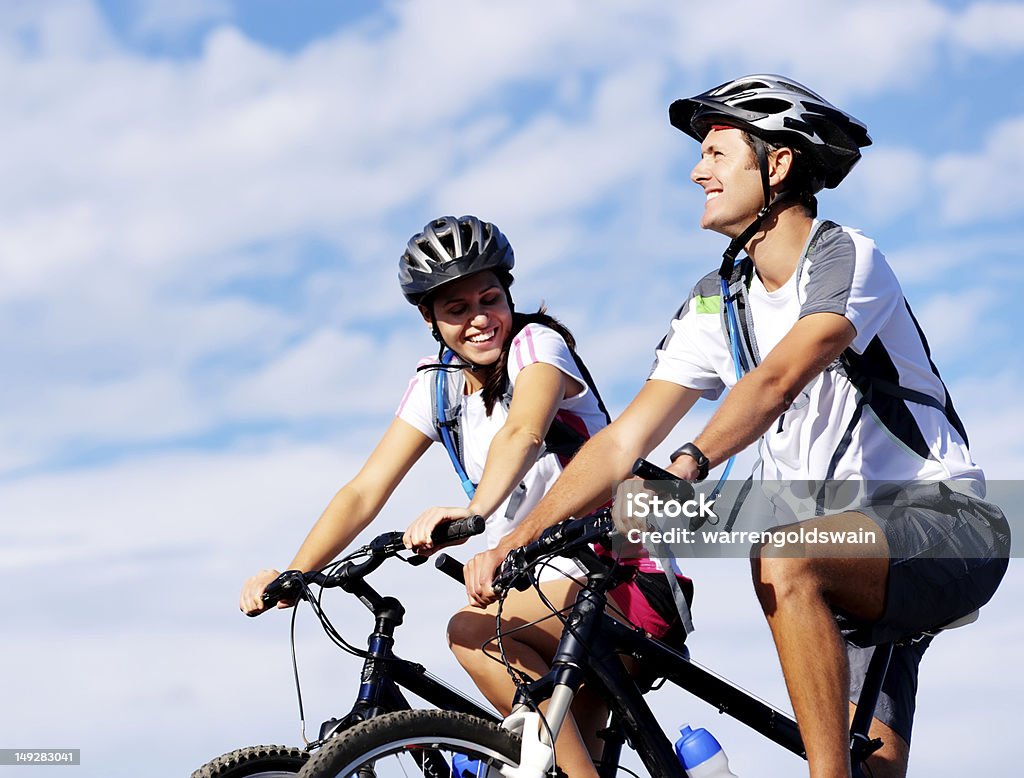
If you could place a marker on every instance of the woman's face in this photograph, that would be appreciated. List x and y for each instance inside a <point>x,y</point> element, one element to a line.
<point>473,316</point>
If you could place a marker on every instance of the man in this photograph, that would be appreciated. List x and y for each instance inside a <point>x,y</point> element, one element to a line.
<point>835,378</point>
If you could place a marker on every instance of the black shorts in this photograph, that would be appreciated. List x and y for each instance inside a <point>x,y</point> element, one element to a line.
<point>947,554</point>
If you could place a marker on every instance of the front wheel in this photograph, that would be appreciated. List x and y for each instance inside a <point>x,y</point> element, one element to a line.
<point>255,762</point>
<point>416,742</point>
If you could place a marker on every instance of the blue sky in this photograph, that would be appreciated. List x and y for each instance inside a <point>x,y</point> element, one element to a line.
<point>204,204</point>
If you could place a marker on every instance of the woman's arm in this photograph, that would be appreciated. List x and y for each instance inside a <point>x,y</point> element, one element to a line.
<point>539,390</point>
<point>351,510</point>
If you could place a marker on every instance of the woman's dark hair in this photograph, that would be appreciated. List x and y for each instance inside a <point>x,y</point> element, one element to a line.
<point>497,381</point>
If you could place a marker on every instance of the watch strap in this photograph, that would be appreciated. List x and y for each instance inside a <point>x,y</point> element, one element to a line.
<point>690,449</point>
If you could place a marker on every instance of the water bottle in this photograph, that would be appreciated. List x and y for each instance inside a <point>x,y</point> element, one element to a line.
<point>464,767</point>
<point>701,755</point>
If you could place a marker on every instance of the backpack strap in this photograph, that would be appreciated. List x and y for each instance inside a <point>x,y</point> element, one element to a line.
<point>446,421</point>
<point>682,606</point>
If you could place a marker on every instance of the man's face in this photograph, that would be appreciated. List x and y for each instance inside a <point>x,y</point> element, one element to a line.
<point>728,174</point>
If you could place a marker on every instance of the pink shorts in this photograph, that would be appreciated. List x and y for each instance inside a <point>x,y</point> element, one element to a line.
<point>656,619</point>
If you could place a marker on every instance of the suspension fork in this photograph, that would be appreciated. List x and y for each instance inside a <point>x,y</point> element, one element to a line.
<point>561,683</point>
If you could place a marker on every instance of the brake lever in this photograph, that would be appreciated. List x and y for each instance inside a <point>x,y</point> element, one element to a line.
<point>511,568</point>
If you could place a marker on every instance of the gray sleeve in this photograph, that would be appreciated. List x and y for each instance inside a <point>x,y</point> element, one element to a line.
<point>830,275</point>
<point>848,275</point>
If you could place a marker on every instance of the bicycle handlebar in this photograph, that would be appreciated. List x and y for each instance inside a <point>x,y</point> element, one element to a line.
<point>563,539</point>
<point>662,482</point>
<point>289,584</point>
<point>570,535</point>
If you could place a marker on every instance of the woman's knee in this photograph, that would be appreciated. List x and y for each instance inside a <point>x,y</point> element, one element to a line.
<point>468,630</point>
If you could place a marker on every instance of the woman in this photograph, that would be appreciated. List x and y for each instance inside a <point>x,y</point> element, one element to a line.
<point>521,402</point>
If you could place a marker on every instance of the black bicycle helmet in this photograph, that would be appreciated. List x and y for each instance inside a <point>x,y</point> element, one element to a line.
<point>448,249</point>
<point>779,110</point>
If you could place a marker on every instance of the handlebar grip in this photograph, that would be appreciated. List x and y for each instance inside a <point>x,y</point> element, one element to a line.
<point>650,471</point>
<point>672,486</point>
<point>460,529</point>
<point>451,567</point>
<point>286,586</point>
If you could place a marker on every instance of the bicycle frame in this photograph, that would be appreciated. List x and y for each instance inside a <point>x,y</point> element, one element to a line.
<point>589,651</point>
<point>384,674</point>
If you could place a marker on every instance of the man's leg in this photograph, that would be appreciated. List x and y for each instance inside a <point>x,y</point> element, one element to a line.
<point>890,761</point>
<point>799,588</point>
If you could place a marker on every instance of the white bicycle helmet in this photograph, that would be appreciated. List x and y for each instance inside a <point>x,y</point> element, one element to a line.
<point>779,110</point>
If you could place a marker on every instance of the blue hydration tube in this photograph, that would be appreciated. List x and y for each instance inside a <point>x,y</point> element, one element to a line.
<point>440,396</point>
<point>733,325</point>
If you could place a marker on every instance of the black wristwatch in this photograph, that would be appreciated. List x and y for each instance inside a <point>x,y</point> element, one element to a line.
<point>703,465</point>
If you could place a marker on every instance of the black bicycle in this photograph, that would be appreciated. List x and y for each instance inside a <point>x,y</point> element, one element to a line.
<point>383,675</point>
<point>590,651</point>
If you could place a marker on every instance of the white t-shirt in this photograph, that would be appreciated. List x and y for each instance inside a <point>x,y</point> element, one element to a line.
<point>534,343</point>
<point>847,423</point>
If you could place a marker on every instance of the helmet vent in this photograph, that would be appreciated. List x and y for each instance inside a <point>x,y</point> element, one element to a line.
<point>766,105</point>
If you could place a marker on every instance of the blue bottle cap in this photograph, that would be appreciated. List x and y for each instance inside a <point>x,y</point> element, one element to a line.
<point>696,746</point>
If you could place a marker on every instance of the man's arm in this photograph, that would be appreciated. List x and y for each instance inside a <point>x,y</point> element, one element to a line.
<point>606,458</point>
<point>764,394</point>
<point>587,481</point>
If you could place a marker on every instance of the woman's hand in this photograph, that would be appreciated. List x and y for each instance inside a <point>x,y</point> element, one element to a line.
<point>251,601</point>
<point>417,537</point>
<point>479,572</point>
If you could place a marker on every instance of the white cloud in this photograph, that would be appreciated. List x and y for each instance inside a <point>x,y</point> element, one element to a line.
<point>890,44</point>
<point>144,187</point>
<point>887,185</point>
<point>955,322</point>
<point>923,261</point>
<point>987,185</point>
<point>553,169</point>
<point>155,19</point>
<point>990,28</point>
<point>991,414</point>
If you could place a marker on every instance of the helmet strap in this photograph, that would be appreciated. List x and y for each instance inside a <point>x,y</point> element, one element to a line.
<point>762,164</point>
<point>740,241</point>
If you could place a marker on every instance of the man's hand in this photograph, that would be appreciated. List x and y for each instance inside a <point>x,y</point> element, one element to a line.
<point>684,467</point>
<point>479,572</point>
<point>417,537</point>
<point>623,519</point>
